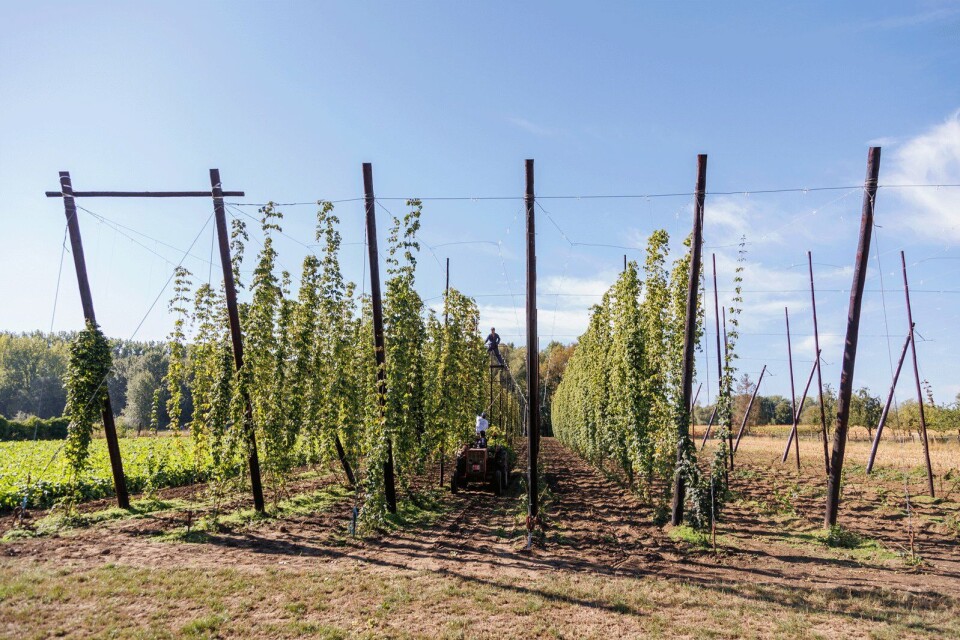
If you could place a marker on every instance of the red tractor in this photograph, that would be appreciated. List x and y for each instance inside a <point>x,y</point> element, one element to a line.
<point>485,465</point>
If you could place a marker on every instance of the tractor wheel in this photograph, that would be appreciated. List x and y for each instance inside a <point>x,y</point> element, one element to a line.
<point>453,483</point>
<point>498,482</point>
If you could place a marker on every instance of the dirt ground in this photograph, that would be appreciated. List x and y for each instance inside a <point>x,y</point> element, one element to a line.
<point>602,566</point>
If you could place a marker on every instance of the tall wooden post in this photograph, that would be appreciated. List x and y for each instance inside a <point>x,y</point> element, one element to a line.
<point>916,377</point>
<point>684,445</point>
<point>230,288</point>
<point>850,344</point>
<point>816,348</point>
<point>533,356</point>
<point>389,488</point>
<point>86,299</point>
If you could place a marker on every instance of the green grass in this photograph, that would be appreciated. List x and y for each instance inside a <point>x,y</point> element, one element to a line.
<point>58,521</point>
<point>420,510</point>
<point>691,536</point>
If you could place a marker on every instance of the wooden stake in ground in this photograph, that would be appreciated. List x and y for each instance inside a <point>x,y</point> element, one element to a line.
<point>86,299</point>
<point>835,477</point>
<point>389,489</point>
<point>689,342</point>
<point>916,376</point>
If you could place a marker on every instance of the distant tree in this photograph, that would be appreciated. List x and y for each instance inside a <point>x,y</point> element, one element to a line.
<point>783,411</point>
<point>865,409</point>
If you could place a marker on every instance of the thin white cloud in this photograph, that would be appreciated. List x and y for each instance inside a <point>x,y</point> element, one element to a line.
<point>531,127</point>
<point>914,20</point>
<point>933,158</point>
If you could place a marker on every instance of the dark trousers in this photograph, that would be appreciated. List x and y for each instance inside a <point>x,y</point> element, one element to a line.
<point>495,350</point>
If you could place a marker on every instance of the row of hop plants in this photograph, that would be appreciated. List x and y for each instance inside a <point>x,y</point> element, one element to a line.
<point>309,369</point>
<point>619,403</point>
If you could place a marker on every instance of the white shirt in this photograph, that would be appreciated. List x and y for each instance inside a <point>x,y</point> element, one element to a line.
<point>482,424</point>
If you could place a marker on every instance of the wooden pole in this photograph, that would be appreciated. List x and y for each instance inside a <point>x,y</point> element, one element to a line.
<point>816,349</point>
<point>886,407</point>
<point>689,342</point>
<point>145,194</point>
<point>446,320</point>
<point>706,433</point>
<point>233,313</point>
<point>716,313</point>
<point>746,413</point>
<point>916,377</point>
<point>86,300</point>
<point>850,344</point>
<point>389,488</point>
<point>533,359</point>
<point>793,392</point>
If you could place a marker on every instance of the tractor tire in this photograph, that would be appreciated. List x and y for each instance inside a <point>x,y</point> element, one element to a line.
<point>498,482</point>
<point>453,483</point>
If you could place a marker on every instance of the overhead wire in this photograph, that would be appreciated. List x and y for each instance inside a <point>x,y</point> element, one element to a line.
<point>624,196</point>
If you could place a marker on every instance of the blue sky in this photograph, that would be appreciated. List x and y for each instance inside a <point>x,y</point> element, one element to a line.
<point>288,99</point>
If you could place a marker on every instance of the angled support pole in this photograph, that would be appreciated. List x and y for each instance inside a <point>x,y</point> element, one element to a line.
<point>746,413</point>
<point>916,377</point>
<point>236,334</point>
<point>793,392</point>
<point>835,478</point>
<point>693,415</point>
<point>684,445</point>
<point>390,491</point>
<point>86,299</point>
<point>796,416</point>
<point>816,348</point>
<point>886,407</point>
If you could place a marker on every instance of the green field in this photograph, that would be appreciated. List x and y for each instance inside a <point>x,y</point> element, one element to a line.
<point>39,469</point>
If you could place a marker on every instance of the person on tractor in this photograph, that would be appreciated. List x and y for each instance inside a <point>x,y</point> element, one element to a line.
<point>493,345</point>
<point>482,440</point>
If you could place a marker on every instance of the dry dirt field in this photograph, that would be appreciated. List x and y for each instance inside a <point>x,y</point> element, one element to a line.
<point>458,567</point>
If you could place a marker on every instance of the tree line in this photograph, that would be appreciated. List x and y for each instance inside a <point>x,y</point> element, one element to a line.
<point>865,410</point>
